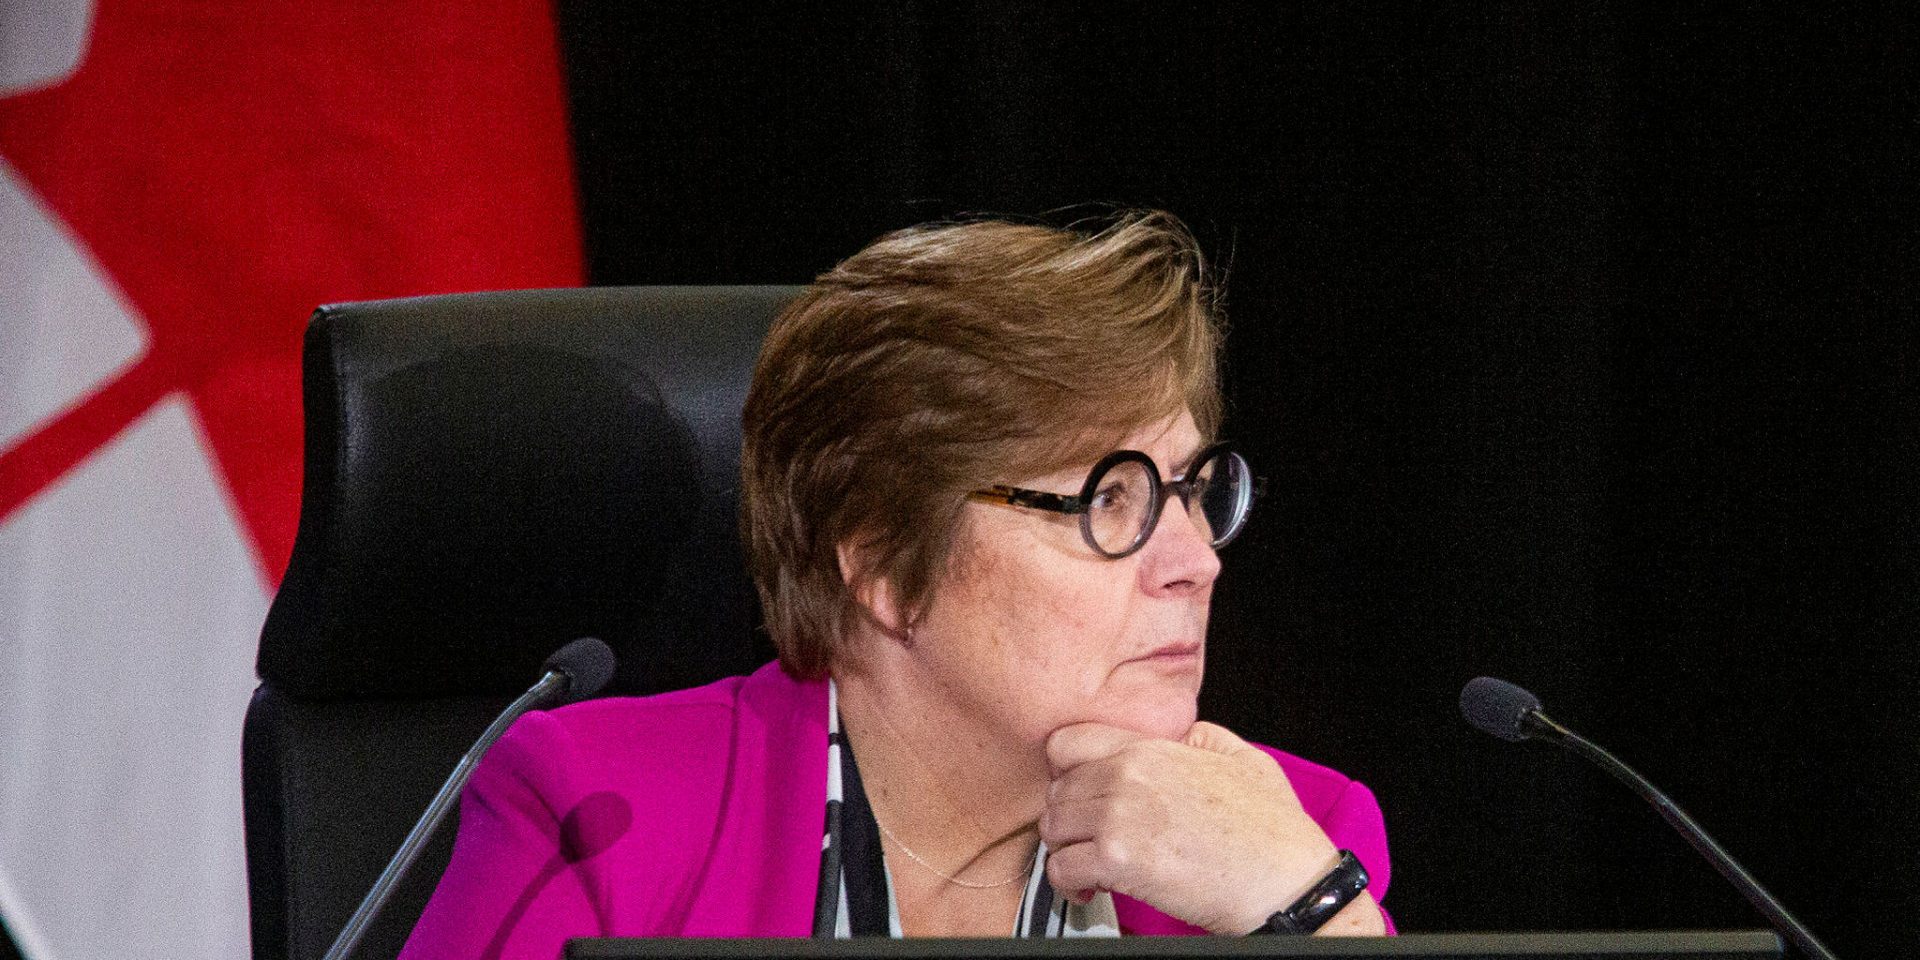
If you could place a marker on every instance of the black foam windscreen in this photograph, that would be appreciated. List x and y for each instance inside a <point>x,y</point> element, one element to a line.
<point>1497,707</point>
<point>588,664</point>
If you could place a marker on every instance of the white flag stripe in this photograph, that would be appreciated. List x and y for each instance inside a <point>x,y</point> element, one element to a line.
<point>130,605</point>
<point>41,41</point>
<point>64,329</point>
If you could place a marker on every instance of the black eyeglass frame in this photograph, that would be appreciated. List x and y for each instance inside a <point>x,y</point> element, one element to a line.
<point>1157,493</point>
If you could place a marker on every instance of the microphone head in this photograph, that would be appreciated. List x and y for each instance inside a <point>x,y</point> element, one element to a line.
<point>1498,707</point>
<point>588,665</point>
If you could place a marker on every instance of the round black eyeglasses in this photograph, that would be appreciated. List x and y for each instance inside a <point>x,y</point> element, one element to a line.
<point>1120,503</point>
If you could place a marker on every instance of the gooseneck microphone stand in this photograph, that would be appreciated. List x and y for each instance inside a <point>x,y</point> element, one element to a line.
<point>1544,728</point>
<point>1511,713</point>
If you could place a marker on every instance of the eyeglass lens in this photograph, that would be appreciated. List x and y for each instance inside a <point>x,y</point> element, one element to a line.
<point>1120,515</point>
<point>1121,506</point>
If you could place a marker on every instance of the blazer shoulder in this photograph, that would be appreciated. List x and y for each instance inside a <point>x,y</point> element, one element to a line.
<point>624,720</point>
<point>680,744</point>
<point>768,694</point>
<point>669,742</point>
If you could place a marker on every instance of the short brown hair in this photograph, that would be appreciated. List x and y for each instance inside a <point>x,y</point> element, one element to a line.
<point>943,358</point>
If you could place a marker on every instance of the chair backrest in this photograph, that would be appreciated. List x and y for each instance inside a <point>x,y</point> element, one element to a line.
<point>487,476</point>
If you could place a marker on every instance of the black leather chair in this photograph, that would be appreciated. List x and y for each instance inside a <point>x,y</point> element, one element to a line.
<point>487,476</point>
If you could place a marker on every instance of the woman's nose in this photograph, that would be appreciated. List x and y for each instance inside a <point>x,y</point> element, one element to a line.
<point>1179,557</point>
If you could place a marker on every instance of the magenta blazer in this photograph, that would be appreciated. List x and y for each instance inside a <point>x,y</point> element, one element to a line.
<point>696,813</point>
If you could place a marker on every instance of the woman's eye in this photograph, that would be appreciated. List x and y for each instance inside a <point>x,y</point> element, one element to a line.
<point>1109,497</point>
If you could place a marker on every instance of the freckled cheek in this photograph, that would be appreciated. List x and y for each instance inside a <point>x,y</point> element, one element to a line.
<point>1033,617</point>
<point>1090,628</point>
<point>1052,611</point>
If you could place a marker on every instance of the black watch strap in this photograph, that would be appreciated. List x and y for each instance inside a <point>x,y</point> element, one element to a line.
<point>1326,898</point>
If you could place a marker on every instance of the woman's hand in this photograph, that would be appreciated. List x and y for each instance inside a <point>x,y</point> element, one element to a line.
<point>1207,829</point>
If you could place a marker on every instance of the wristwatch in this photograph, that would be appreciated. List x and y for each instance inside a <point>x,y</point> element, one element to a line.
<point>1322,901</point>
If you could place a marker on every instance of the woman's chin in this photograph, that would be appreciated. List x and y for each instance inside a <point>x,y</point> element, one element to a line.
<point>1162,714</point>
<point>1156,704</point>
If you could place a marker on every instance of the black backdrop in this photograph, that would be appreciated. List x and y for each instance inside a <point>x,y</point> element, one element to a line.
<point>1573,337</point>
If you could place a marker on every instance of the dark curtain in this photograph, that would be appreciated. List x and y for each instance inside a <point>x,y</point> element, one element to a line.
<point>1573,338</point>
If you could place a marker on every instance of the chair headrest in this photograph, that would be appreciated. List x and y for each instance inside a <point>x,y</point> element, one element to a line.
<point>491,475</point>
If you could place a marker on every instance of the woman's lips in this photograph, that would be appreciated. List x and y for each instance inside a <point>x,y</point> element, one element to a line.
<point>1173,654</point>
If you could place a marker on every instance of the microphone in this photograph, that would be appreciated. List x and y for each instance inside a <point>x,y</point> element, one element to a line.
<point>587,665</point>
<point>1504,710</point>
<point>1511,713</point>
<point>574,672</point>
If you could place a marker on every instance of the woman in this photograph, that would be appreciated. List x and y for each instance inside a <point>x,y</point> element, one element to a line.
<point>981,501</point>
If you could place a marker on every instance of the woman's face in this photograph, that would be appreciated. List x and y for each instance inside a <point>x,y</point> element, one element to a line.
<point>1032,630</point>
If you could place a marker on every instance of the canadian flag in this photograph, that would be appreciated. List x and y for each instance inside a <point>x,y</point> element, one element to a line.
<point>180,184</point>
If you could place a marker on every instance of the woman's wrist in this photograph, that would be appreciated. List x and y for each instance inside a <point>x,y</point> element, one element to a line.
<point>1248,906</point>
<point>1361,918</point>
<point>1328,897</point>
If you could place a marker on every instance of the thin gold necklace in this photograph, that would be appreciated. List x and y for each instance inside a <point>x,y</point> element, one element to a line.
<point>956,881</point>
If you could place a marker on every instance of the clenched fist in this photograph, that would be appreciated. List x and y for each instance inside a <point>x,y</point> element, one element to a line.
<point>1206,829</point>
